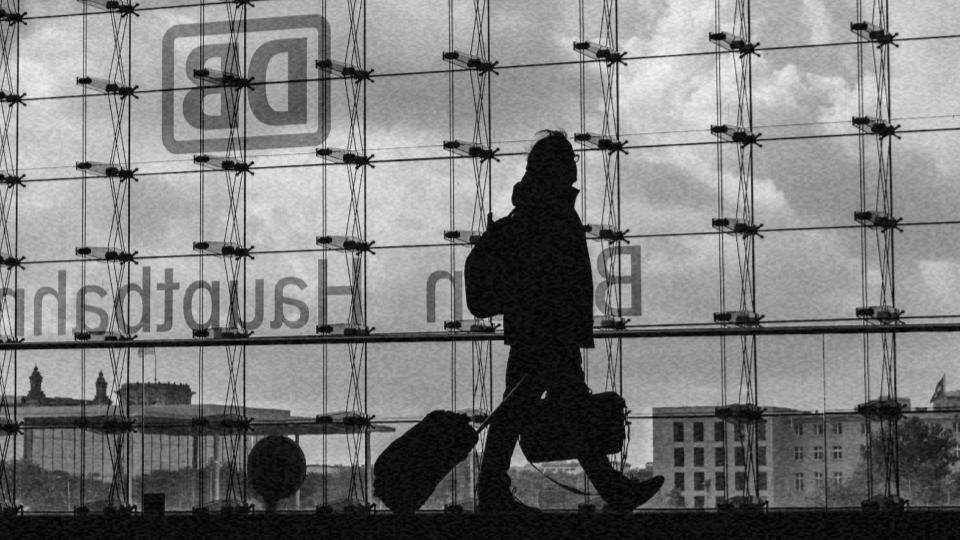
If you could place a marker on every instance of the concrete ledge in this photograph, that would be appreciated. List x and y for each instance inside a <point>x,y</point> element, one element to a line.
<point>781,524</point>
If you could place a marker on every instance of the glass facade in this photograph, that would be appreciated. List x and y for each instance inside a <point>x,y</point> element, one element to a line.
<point>344,250</point>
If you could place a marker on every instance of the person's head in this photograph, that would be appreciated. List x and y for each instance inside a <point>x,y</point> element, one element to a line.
<point>552,160</point>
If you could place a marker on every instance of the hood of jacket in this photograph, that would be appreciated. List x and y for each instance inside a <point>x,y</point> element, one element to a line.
<point>541,195</point>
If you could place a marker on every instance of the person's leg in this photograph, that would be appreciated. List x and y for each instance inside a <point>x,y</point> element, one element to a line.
<point>503,431</point>
<point>622,493</point>
<point>569,385</point>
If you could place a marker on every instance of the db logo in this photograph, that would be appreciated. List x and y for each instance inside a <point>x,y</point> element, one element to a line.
<point>278,115</point>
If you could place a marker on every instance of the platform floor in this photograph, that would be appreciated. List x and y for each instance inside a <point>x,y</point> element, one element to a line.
<point>773,524</point>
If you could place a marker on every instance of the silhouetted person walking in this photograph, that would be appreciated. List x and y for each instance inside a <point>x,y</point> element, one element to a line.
<point>546,319</point>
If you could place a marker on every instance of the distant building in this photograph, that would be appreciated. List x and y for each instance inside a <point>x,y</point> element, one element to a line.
<point>801,452</point>
<point>165,438</point>
<point>156,393</point>
<point>36,397</point>
<point>688,451</point>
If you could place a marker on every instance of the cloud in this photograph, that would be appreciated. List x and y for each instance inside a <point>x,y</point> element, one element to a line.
<point>941,277</point>
<point>805,183</point>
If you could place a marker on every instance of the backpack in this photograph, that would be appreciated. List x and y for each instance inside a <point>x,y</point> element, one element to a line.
<point>488,271</point>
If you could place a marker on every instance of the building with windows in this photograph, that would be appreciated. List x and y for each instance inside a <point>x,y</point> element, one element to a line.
<point>688,450</point>
<point>798,451</point>
<point>812,450</point>
<point>801,453</point>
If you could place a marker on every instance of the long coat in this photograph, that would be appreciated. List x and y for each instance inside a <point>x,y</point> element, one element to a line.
<point>552,284</point>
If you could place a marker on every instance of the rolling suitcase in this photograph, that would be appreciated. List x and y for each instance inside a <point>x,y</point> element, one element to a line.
<point>411,467</point>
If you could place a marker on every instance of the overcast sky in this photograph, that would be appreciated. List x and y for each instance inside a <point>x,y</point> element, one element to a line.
<point>800,274</point>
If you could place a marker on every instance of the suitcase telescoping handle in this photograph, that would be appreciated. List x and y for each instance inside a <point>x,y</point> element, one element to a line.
<point>506,398</point>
